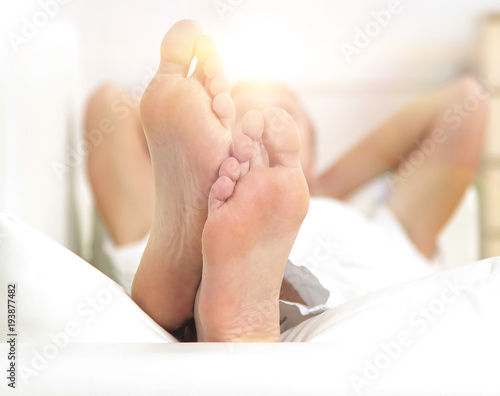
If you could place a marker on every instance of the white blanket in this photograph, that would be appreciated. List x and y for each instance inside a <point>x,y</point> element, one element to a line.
<point>78,333</point>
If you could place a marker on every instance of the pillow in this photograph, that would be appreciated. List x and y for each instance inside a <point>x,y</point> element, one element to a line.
<point>60,296</point>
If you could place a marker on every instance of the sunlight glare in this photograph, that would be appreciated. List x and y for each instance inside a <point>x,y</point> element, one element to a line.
<point>264,51</point>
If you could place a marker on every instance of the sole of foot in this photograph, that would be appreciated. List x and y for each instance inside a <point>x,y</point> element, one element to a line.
<point>255,213</point>
<point>187,123</point>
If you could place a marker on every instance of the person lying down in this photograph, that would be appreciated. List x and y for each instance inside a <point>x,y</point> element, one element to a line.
<point>219,185</point>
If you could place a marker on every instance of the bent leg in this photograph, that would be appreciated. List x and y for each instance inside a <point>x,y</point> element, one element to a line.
<point>433,177</point>
<point>119,166</point>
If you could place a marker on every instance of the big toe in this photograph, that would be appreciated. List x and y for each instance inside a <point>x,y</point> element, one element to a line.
<point>281,138</point>
<point>178,47</point>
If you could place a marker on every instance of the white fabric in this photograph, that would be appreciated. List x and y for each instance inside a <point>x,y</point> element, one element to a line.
<point>57,291</point>
<point>352,255</point>
<point>123,352</point>
<point>434,336</point>
<point>125,259</point>
<point>348,253</point>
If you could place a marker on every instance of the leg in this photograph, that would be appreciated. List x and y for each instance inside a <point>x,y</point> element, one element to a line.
<point>119,166</point>
<point>187,125</point>
<point>252,223</point>
<point>425,199</point>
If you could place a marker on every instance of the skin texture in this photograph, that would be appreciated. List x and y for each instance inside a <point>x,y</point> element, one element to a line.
<point>172,184</point>
<point>252,223</point>
<point>243,241</point>
<point>425,199</point>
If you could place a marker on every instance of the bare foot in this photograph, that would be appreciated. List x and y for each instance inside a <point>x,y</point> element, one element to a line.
<point>252,224</point>
<point>187,124</point>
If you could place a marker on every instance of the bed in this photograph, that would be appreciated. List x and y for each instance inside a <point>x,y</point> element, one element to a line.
<point>77,332</point>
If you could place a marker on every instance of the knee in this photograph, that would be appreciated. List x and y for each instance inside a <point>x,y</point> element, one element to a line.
<point>472,103</point>
<point>467,84</point>
<point>473,95</point>
<point>467,117</point>
<point>103,97</point>
<point>108,102</point>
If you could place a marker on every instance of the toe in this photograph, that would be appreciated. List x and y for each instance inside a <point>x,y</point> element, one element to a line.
<point>177,48</point>
<point>252,124</point>
<point>224,108</point>
<point>281,138</point>
<point>243,147</point>
<point>220,84</point>
<point>221,190</point>
<point>246,140</point>
<point>214,66</point>
<point>204,48</point>
<point>230,168</point>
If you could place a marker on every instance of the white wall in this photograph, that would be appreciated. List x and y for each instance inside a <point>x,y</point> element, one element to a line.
<point>39,121</point>
<point>299,41</point>
<point>427,44</point>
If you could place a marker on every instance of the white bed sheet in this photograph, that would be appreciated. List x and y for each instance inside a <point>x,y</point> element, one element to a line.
<point>117,349</point>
